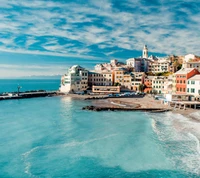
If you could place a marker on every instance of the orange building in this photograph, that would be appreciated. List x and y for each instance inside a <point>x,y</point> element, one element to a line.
<point>148,84</point>
<point>181,79</point>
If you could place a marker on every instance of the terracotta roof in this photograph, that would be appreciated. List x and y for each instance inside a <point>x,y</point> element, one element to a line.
<point>196,77</point>
<point>184,70</point>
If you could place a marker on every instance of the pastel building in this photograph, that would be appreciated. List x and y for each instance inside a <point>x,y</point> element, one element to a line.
<point>75,80</point>
<point>162,65</point>
<point>137,78</point>
<point>158,84</point>
<point>173,83</point>
<point>123,78</point>
<point>191,61</point>
<point>181,79</point>
<point>100,79</point>
<point>105,67</point>
<point>168,85</point>
<point>193,85</point>
<point>139,64</point>
<point>148,84</point>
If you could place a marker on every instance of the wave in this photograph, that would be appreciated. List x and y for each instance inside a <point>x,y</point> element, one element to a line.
<point>118,104</point>
<point>196,140</point>
<point>178,137</point>
<point>71,144</point>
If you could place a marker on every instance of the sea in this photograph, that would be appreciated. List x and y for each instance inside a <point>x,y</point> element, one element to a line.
<point>54,137</point>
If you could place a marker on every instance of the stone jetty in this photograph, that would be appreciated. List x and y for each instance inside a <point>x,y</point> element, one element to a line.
<point>28,94</point>
<point>153,110</point>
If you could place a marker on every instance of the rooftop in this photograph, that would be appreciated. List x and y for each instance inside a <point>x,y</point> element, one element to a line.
<point>184,70</point>
<point>196,77</point>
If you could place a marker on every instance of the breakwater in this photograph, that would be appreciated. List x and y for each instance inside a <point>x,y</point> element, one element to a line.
<point>153,110</point>
<point>28,94</point>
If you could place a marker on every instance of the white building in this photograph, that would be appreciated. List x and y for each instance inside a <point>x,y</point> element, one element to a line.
<point>168,85</point>
<point>75,80</point>
<point>160,65</point>
<point>139,64</point>
<point>145,52</point>
<point>105,67</point>
<point>193,85</point>
<point>191,61</point>
<point>189,57</point>
<point>158,84</point>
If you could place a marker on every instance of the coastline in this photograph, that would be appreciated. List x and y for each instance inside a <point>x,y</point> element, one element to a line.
<point>144,102</point>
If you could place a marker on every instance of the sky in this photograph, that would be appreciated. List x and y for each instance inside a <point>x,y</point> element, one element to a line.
<point>45,37</point>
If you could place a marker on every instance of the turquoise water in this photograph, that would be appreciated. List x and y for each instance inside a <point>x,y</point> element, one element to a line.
<point>53,137</point>
<point>10,85</point>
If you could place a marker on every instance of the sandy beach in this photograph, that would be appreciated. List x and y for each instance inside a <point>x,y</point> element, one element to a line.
<point>145,102</point>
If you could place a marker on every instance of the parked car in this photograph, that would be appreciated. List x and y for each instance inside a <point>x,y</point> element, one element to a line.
<point>80,93</point>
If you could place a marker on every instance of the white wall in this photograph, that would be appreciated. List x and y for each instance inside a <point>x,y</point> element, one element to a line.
<point>195,86</point>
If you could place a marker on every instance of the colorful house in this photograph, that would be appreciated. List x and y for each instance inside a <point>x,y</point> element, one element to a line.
<point>181,79</point>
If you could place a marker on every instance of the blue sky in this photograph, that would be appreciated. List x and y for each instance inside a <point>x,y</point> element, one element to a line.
<point>44,37</point>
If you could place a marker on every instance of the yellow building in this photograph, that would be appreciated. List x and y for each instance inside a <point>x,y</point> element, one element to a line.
<point>123,78</point>
<point>100,79</point>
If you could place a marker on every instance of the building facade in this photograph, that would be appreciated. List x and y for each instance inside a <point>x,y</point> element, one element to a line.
<point>159,66</point>
<point>123,78</point>
<point>137,79</point>
<point>181,79</point>
<point>75,80</point>
<point>158,84</point>
<point>100,79</point>
<point>148,84</point>
<point>193,85</point>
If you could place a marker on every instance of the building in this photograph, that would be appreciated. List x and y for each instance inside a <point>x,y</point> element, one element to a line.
<point>168,85</point>
<point>75,80</point>
<point>158,84</point>
<point>189,57</point>
<point>123,78</point>
<point>173,83</point>
<point>148,84</point>
<point>105,67</point>
<point>193,85</point>
<point>161,65</point>
<point>100,79</point>
<point>137,79</point>
<point>191,61</point>
<point>105,89</point>
<point>139,64</point>
<point>145,52</point>
<point>181,79</point>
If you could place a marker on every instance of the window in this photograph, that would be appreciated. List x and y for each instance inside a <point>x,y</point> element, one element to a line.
<point>188,90</point>
<point>192,82</point>
<point>192,90</point>
<point>188,82</point>
<point>183,89</point>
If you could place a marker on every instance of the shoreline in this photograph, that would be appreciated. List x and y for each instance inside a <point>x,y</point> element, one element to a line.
<point>137,102</point>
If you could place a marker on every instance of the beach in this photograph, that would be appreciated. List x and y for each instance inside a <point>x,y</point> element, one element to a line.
<point>140,102</point>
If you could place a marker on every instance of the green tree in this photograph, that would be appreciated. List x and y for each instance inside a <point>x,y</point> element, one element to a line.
<point>142,87</point>
<point>117,84</point>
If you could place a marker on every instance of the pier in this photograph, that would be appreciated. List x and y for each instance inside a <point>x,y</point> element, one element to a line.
<point>184,104</point>
<point>27,94</point>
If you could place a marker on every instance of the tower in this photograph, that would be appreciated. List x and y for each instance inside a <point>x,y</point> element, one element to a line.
<point>145,52</point>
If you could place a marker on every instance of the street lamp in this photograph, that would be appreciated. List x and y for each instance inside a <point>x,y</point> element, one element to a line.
<point>18,88</point>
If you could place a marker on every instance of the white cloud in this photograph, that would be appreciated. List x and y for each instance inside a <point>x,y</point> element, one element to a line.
<point>118,28</point>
